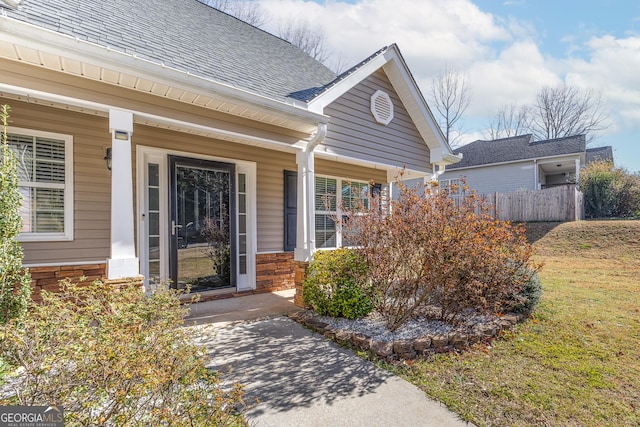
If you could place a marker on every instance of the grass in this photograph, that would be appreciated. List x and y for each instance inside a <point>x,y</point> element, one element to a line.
<point>576,362</point>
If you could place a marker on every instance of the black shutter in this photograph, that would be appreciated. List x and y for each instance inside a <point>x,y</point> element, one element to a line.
<point>376,190</point>
<point>290,209</point>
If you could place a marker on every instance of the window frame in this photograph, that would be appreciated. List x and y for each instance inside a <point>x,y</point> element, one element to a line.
<point>445,184</point>
<point>338,213</point>
<point>67,234</point>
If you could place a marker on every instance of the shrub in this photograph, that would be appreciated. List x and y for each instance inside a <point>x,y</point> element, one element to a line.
<point>334,284</point>
<point>115,357</point>
<point>527,299</point>
<point>15,282</point>
<point>609,191</point>
<point>434,250</point>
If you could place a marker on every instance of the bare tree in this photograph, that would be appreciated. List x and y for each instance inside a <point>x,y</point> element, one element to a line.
<point>311,39</point>
<point>450,96</point>
<point>565,111</point>
<point>247,11</point>
<point>510,120</point>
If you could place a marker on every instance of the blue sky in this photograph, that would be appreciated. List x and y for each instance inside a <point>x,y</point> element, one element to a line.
<point>508,50</point>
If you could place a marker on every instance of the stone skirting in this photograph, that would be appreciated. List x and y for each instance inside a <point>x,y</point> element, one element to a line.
<point>47,278</point>
<point>274,272</point>
<point>406,349</point>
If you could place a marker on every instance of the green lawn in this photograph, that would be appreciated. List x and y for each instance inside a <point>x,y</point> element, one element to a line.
<point>576,362</point>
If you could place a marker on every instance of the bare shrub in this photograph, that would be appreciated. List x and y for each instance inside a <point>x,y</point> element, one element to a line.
<point>114,357</point>
<point>430,249</point>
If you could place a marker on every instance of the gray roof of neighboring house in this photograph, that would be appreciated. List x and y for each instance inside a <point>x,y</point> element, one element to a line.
<point>189,36</point>
<point>599,154</point>
<point>516,148</point>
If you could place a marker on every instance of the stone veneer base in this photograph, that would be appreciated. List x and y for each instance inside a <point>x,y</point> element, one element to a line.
<point>406,349</point>
<point>274,272</point>
<point>48,278</point>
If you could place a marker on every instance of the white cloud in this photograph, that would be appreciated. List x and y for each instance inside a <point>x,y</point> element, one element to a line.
<point>611,68</point>
<point>429,33</point>
<point>514,77</point>
<point>501,67</point>
<point>501,56</point>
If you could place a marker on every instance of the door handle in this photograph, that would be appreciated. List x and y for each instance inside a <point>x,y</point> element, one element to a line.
<point>173,227</point>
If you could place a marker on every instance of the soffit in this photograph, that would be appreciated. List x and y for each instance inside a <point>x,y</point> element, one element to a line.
<point>166,83</point>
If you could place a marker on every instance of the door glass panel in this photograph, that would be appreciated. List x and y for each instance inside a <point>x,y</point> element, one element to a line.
<point>202,228</point>
<point>153,223</point>
<point>242,224</point>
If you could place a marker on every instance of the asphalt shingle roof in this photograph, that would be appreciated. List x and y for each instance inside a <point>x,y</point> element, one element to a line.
<point>189,36</point>
<point>599,154</point>
<point>516,148</point>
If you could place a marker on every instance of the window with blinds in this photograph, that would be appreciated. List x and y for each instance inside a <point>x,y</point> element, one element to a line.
<point>44,176</point>
<point>331,194</point>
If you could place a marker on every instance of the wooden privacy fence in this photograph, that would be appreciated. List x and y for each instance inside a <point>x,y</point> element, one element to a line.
<point>562,203</point>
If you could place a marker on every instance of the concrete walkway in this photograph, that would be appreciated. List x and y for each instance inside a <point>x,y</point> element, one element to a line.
<point>300,378</point>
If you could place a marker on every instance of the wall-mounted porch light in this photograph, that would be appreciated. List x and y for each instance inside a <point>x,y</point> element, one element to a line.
<point>107,158</point>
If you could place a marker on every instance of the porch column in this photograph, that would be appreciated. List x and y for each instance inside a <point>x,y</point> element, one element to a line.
<point>305,214</point>
<point>123,262</point>
<point>305,220</point>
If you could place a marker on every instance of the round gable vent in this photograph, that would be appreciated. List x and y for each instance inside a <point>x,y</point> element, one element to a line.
<point>382,107</point>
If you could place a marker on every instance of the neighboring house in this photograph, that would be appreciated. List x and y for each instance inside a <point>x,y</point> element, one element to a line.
<point>221,140</point>
<point>599,154</point>
<point>520,163</point>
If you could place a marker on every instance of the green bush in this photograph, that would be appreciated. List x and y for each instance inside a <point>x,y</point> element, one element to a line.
<point>609,192</point>
<point>334,284</point>
<point>15,282</point>
<point>528,298</point>
<point>115,357</point>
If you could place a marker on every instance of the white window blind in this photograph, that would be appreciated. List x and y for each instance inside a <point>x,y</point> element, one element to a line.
<point>44,176</point>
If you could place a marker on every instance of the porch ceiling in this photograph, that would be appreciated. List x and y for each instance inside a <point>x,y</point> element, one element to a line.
<point>559,166</point>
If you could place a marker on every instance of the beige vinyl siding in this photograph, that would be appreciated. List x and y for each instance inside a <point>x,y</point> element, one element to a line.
<point>343,170</point>
<point>91,182</point>
<point>353,131</point>
<point>270,167</point>
<point>496,178</point>
<point>270,174</point>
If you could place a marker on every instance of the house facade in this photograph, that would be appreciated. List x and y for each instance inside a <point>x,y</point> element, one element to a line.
<point>169,142</point>
<point>517,164</point>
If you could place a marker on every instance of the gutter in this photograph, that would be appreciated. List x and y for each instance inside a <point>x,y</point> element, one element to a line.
<point>30,36</point>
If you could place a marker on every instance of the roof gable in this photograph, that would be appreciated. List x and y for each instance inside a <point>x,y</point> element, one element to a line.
<point>516,148</point>
<point>390,60</point>
<point>353,130</point>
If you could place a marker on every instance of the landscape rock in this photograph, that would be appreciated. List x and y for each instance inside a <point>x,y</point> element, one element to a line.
<point>382,349</point>
<point>440,341</point>
<point>422,344</point>
<point>361,341</point>
<point>417,337</point>
<point>403,346</point>
<point>343,337</point>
